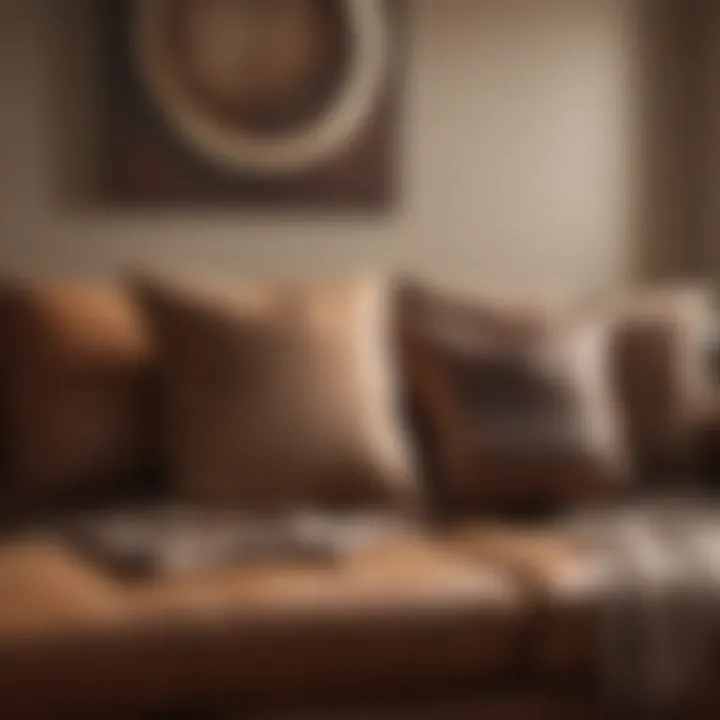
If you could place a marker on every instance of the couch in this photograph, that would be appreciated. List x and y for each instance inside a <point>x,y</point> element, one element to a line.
<point>476,422</point>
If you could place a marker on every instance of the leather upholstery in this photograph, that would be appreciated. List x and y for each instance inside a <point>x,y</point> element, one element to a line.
<point>662,373</point>
<point>47,589</point>
<point>389,617</point>
<point>511,705</point>
<point>483,606</point>
<point>708,437</point>
<point>75,400</point>
<point>562,583</point>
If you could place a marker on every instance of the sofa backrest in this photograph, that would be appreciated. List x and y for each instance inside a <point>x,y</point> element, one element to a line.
<point>80,416</point>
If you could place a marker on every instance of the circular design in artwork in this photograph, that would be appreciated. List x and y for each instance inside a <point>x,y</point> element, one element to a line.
<point>268,87</point>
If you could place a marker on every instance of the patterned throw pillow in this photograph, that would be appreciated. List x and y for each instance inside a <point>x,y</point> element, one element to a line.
<point>515,402</point>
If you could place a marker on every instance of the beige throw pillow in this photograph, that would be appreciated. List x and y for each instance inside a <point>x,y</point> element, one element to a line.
<point>280,395</point>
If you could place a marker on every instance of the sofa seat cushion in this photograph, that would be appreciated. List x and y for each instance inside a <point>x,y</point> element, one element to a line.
<point>382,619</point>
<point>47,590</point>
<point>633,610</point>
<point>565,584</point>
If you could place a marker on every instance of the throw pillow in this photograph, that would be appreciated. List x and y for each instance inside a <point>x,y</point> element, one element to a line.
<point>280,395</point>
<point>75,371</point>
<point>515,401</point>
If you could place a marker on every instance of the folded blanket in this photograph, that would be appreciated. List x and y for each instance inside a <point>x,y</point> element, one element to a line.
<point>663,602</point>
<point>174,539</point>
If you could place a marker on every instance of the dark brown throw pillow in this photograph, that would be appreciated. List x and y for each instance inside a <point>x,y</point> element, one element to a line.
<point>75,372</point>
<point>516,402</point>
<point>280,395</point>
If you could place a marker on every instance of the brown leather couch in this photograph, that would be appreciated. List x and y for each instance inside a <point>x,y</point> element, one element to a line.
<point>488,618</point>
<point>490,615</point>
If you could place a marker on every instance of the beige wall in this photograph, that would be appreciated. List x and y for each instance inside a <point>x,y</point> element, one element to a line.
<point>520,164</point>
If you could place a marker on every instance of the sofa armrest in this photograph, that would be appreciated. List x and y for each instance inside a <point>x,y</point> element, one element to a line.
<point>708,442</point>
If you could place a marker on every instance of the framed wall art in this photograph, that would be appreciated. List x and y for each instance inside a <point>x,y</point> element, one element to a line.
<point>282,102</point>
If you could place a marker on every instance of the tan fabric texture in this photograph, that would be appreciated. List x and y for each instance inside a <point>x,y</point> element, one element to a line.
<point>280,395</point>
<point>76,366</point>
<point>661,371</point>
<point>514,401</point>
